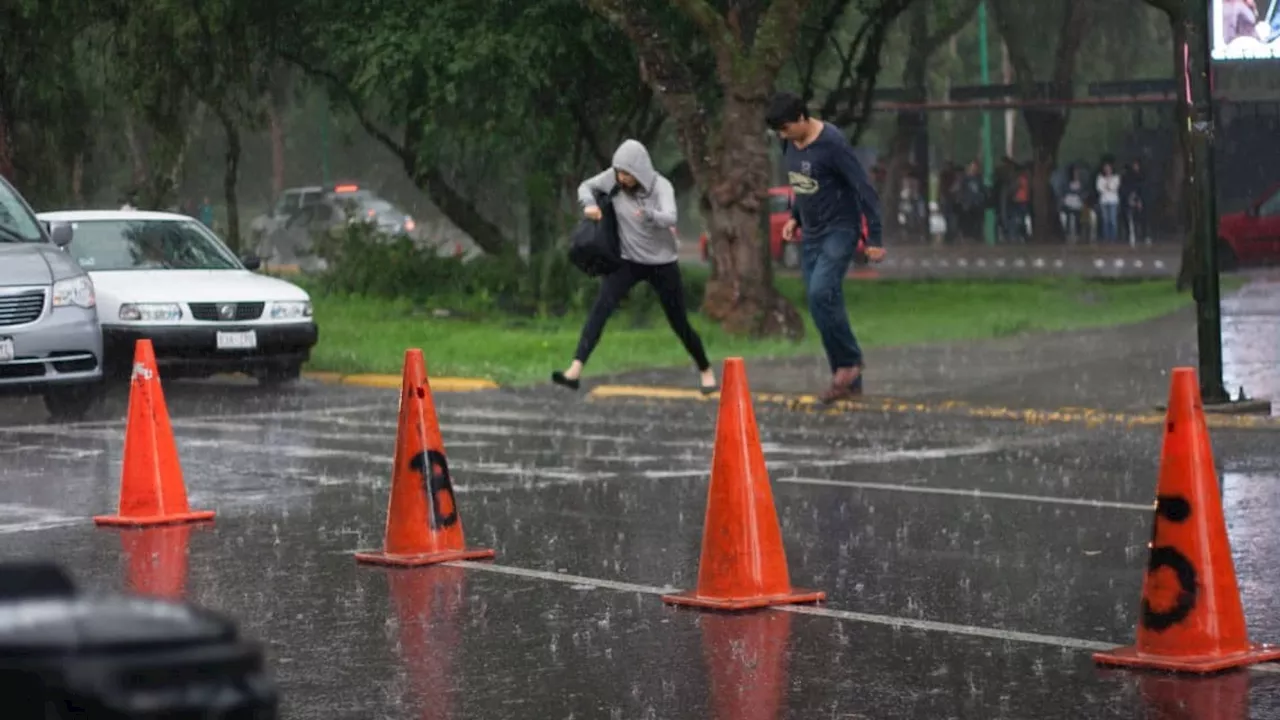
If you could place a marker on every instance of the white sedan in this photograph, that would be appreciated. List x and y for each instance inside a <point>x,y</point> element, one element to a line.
<point>168,278</point>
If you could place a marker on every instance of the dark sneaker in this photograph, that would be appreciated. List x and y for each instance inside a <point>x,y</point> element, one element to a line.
<point>558,378</point>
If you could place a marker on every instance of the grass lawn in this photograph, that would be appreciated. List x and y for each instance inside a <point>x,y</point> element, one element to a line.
<point>371,335</point>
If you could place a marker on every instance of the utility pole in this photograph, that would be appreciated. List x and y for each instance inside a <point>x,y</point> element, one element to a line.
<point>987,169</point>
<point>1198,106</point>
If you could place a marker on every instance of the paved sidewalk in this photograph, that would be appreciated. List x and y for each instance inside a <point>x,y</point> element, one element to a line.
<point>1118,369</point>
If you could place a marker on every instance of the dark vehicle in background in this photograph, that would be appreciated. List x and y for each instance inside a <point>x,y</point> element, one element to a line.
<point>1252,236</point>
<point>284,235</point>
<point>50,340</point>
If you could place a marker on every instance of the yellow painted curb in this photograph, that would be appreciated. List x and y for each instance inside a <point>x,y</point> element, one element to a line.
<point>392,382</point>
<point>1086,416</point>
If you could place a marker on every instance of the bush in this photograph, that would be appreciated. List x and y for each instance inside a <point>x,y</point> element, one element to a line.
<point>363,262</point>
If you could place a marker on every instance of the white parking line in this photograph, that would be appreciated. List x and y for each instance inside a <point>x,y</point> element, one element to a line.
<point>70,427</point>
<point>968,493</point>
<point>1058,641</point>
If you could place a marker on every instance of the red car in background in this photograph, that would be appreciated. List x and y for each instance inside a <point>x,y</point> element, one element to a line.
<point>784,252</point>
<point>1252,236</point>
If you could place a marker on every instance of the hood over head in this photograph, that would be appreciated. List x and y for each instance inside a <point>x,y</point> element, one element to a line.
<point>632,157</point>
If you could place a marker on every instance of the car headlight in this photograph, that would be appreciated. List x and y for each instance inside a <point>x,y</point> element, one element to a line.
<point>76,291</point>
<point>290,310</point>
<point>150,312</point>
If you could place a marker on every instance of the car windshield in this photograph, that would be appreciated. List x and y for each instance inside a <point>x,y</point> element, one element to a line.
<point>16,222</point>
<point>148,244</point>
<point>779,203</point>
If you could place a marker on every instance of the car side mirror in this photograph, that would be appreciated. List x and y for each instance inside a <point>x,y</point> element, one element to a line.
<point>251,262</point>
<point>61,234</point>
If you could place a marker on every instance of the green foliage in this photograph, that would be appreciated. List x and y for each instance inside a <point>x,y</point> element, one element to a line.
<point>365,264</point>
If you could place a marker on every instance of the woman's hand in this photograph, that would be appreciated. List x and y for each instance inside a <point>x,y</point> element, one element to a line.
<point>592,213</point>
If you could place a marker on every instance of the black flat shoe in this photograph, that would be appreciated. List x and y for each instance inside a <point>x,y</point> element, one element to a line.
<point>709,389</point>
<point>558,378</point>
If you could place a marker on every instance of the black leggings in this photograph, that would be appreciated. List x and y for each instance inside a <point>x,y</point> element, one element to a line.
<point>666,281</point>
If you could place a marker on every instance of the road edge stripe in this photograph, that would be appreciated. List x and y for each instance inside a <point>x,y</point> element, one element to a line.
<point>392,382</point>
<point>1074,415</point>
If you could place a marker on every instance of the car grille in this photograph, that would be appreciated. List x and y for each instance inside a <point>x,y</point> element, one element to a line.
<point>21,308</point>
<point>211,312</point>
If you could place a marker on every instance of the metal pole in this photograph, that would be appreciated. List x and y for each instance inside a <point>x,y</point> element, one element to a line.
<point>987,165</point>
<point>1203,194</point>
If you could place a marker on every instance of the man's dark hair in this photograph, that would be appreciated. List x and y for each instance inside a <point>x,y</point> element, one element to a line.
<point>785,107</point>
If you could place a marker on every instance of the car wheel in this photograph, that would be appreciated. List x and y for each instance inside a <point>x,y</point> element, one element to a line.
<point>277,375</point>
<point>791,255</point>
<point>1227,260</point>
<point>72,403</point>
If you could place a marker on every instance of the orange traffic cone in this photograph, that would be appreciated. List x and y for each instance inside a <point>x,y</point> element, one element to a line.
<point>157,560</point>
<point>423,523</point>
<point>151,488</point>
<point>1192,619</point>
<point>743,563</point>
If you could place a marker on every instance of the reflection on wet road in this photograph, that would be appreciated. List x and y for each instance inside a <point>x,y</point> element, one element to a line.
<point>971,565</point>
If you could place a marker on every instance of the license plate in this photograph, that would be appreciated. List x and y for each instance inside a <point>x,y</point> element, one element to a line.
<point>6,350</point>
<point>246,340</point>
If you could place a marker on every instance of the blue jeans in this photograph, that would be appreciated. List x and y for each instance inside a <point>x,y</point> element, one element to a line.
<point>1110,221</point>
<point>824,262</point>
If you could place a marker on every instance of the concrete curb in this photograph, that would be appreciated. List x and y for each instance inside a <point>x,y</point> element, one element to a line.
<point>1090,417</point>
<point>392,382</point>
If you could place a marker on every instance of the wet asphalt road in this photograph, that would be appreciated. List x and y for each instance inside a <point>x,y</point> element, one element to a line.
<point>941,604</point>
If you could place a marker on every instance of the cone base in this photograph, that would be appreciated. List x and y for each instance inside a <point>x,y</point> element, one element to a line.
<point>1204,664</point>
<point>394,560</point>
<point>693,599</point>
<point>150,520</point>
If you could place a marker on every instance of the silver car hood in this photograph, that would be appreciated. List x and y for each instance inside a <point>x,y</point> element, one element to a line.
<point>35,264</point>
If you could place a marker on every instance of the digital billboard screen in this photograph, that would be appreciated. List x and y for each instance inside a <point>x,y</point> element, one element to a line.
<point>1245,29</point>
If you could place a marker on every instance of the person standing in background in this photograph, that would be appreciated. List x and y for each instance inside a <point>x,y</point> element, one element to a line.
<point>206,213</point>
<point>1109,201</point>
<point>1133,191</point>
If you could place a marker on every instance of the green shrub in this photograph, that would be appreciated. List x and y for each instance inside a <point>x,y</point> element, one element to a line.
<point>363,262</point>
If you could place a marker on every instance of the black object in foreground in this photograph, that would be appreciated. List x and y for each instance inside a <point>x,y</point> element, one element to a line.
<point>66,654</point>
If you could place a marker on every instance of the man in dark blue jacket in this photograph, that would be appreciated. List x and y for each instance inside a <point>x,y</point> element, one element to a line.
<point>833,194</point>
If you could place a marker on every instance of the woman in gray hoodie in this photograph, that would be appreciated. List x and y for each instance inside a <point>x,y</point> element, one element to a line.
<point>646,210</point>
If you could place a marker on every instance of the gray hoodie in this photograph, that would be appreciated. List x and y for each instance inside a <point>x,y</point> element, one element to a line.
<point>649,237</point>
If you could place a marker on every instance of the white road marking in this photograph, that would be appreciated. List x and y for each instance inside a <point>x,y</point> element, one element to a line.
<point>30,518</point>
<point>968,493</point>
<point>579,582</point>
<point>70,427</point>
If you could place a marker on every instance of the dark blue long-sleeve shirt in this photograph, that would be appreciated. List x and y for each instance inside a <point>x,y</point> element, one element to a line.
<point>833,191</point>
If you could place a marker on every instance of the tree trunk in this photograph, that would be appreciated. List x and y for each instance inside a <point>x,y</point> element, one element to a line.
<point>1045,129</point>
<point>136,154</point>
<point>277,147</point>
<point>6,152</point>
<point>231,171</point>
<point>740,294</point>
<point>77,179</point>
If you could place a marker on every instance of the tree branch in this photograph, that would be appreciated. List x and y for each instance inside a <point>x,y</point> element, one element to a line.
<point>1023,73</point>
<point>1075,26</point>
<point>951,27</point>
<point>663,70</point>
<point>825,29</point>
<point>586,133</point>
<point>715,28</point>
<point>774,39</point>
<point>461,211</point>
